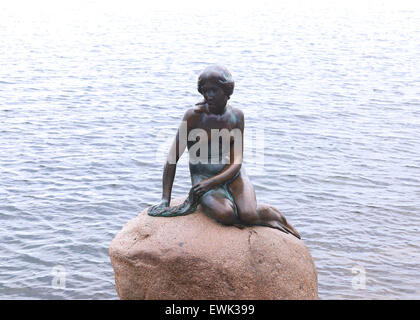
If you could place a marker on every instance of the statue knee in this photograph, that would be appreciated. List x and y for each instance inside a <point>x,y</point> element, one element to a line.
<point>225,216</point>
<point>221,211</point>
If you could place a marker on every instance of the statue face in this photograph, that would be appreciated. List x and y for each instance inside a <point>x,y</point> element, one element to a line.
<point>214,94</point>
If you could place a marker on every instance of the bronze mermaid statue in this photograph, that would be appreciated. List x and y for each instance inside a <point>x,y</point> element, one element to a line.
<point>213,133</point>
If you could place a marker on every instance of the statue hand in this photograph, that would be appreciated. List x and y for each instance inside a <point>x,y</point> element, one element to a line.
<point>202,187</point>
<point>158,209</point>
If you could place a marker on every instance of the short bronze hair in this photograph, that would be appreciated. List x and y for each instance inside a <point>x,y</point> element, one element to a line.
<point>222,76</point>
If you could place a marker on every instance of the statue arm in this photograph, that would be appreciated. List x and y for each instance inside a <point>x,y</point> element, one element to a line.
<point>177,149</point>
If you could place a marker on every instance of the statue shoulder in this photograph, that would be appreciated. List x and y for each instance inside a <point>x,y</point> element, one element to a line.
<point>238,113</point>
<point>191,116</point>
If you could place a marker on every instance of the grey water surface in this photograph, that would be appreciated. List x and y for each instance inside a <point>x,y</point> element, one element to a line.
<point>91,95</point>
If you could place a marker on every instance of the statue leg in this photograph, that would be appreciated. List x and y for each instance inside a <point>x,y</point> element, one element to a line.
<point>217,206</point>
<point>251,214</point>
<point>245,199</point>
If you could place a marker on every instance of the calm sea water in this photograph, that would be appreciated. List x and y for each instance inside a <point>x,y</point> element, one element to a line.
<point>91,95</point>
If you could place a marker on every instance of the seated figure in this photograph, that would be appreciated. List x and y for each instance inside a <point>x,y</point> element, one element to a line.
<point>213,133</point>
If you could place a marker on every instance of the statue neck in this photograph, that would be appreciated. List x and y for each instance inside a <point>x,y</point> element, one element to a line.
<point>217,109</point>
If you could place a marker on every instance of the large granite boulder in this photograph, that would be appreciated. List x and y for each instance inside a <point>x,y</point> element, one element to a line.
<point>195,257</point>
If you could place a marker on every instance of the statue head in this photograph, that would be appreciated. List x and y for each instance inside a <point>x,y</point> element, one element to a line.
<point>219,75</point>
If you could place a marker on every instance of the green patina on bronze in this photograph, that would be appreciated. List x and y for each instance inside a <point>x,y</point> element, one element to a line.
<point>188,206</point>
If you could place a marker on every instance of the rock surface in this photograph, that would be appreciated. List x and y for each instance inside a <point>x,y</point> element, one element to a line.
<point>195,257</point>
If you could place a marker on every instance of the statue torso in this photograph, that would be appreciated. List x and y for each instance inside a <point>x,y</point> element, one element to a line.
<point>218,158</point>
